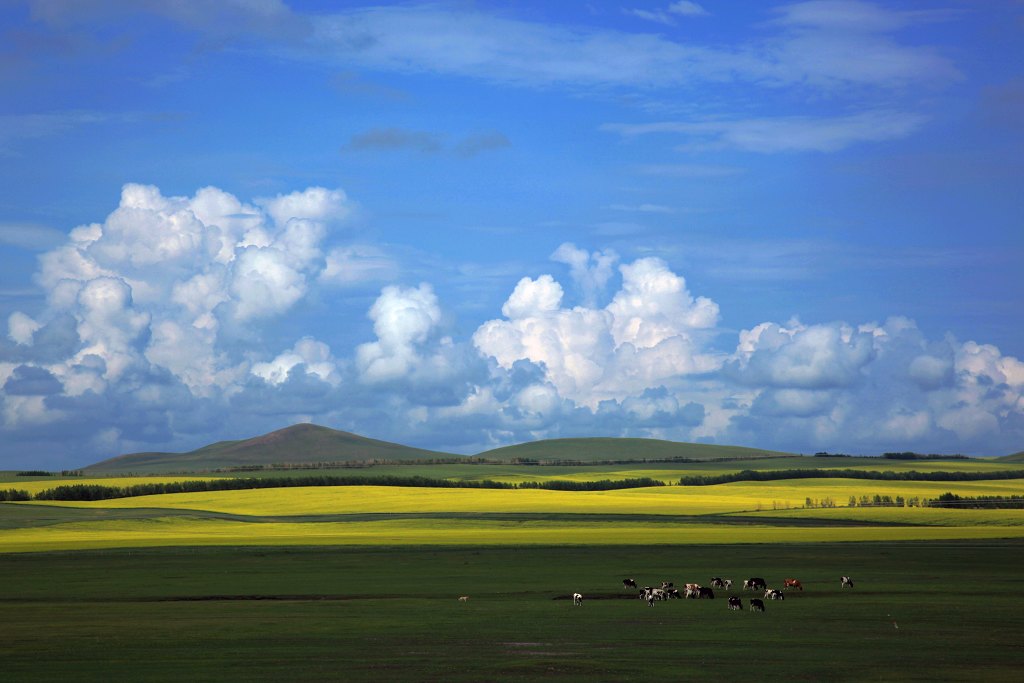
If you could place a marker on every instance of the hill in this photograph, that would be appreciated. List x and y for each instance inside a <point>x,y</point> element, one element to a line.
<point>1016,457</point>
<point>301,443</point>
<point>617,449</point>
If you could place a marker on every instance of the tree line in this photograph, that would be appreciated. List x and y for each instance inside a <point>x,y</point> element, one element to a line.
<point>952,500</point>
<point>86,492</point>
<point>911,475</point>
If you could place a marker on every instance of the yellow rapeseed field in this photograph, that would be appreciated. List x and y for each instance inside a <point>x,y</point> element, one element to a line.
<point>668,500</point>
<point>149,525</point>
<point>902,515</point>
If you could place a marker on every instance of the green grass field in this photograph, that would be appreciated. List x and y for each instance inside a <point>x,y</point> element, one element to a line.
<point>919,612</point>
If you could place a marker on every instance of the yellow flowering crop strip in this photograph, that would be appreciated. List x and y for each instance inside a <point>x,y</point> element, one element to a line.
<point>901,515</point>
<point>668,500</point>
<point>203,532</point>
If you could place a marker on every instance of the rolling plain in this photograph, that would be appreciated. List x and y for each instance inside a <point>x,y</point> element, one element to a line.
<point>360,582</point>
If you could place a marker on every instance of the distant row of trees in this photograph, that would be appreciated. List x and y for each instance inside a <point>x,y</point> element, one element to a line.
<point>951,500</point>
<point>602,485</point>
<point>908,455</point>
<point>44,473</point>
<point>85,492</point>
<point>911,475</point>
<point>902,455</point>
<point>100,492</point>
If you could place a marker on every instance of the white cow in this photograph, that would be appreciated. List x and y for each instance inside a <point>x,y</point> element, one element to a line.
<point>577,599</point>
<point>463,598</point>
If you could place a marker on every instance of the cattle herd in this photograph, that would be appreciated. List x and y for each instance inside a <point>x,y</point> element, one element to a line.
<point>695,591</point>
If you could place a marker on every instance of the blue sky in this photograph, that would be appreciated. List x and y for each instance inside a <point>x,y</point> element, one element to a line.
<point>460,225</point>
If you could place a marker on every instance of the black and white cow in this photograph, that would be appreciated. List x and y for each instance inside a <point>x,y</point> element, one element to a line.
<point>755,583</point>
<point>756,605</point>
<point>845,581</point>
<point>672,593</point>
<point>717,582</point>
<point>651,594</point>
<point>773,594</point>
<point>577,599</point>
<point>735,603</point>
<point>628,583</point>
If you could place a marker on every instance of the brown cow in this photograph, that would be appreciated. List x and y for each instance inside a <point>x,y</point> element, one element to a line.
<point>791,583</point>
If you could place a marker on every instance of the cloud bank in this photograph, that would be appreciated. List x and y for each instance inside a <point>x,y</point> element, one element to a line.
<point>153,337</point>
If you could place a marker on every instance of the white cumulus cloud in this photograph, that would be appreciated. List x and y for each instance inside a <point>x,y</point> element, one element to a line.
<point>403,319</point>
<point>649,334</point>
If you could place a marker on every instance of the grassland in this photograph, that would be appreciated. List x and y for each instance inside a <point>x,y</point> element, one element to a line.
<point>938,611</point>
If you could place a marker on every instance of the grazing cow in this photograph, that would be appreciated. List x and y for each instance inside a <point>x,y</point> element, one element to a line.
<point>756,605</point>
<point>577,599</point>
<point>628,583</point>
<point>772,594</point>
<point>463,598</point>
<point>658,594</point>
<point>755,583</point>
<point>672,593</point>
<point>735,603</point>
<point>717,582</point>
<point>791,583</point>
<point>692,593</point>
<point>845,581</point>
<point>707,593</point>
<point>665,585</point>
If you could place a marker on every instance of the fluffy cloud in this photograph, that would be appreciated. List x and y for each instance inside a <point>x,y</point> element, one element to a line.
<point>874,387</point>
<point>312,356</point>
<point>805,357</point>
<point>403,320</point>
<point>648,335</point>
<point>149,291</point>
<point>20,328</point>
<point>590,271</point>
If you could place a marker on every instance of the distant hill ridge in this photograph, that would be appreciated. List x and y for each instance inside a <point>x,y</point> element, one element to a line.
<point>297,444</point>
<point>610,449</point>
<point>308,443</point>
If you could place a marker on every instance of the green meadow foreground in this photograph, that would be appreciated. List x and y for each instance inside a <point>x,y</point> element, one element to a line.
<point>924,611</point>
<point>362,582</point>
